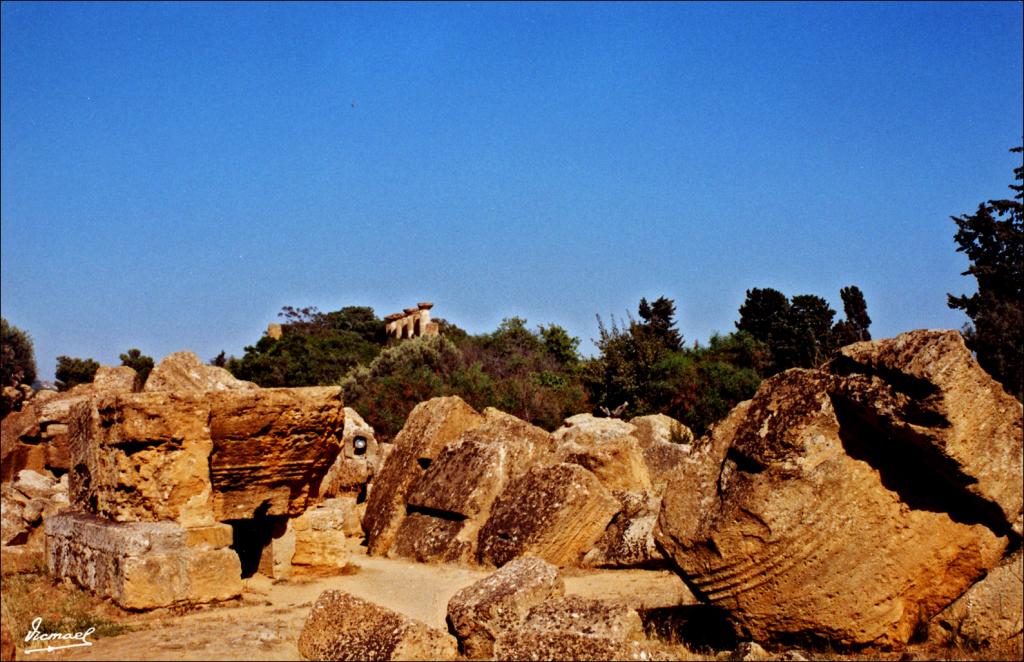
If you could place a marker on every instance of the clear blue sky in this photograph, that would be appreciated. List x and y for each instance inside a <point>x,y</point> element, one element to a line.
<point>172,174</point>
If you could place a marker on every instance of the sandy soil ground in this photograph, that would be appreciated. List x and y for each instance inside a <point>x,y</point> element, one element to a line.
<point>265,624</point>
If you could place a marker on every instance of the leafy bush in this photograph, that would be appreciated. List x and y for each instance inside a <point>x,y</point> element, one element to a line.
<point>527,374</point>
<point>17,356</point>
<point>315,348</point>
<point>73,371</point>
<point>140,363</point>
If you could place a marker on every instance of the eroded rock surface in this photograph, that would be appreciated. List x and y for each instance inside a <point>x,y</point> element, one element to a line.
<point>184,371</point>
<point>556,513</point>
<point>343,627</point>
<point>498,603</point>
<point>990,612</point>
<point>199,457</point>
<point>846,506</point>
<point>430,427</point>
<point>142,565</point>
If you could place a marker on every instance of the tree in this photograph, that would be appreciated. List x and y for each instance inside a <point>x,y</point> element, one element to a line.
<point>855,327</point>
<point>797,331</point>
<point>220,361</point>
<point>560,345</point>
<point>73,371</point>
<point>659,321</point>
<point>315,348</point>
<point>810,320</point>
<point>993,240</point>
<point>140,363</point>
<point>17,356</point>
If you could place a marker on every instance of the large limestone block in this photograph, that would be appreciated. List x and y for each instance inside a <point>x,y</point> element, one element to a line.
<point>19,443</point>
<point>184,371</point>
<point>469,474</point>
<point>618,462</point>
<point>430,427</point>
<point>320,536</point>
<point>343,627</point>
<point>803,533</point>
<point>139,565</point>
<point>556,513</point>
<point>587,616</point>
<point>142,457</point>
<point>121,379</point>
<point>200,457</point>
<point>359,459</point>
<point>482,611</point>
<point>587,426</point>
<point>460,486</point>
<point>628,542</point>
<point>429,539</point>
<point>924,390</point>
<point>656,428</point>
<point>271,448</point>
<point>990,612</point>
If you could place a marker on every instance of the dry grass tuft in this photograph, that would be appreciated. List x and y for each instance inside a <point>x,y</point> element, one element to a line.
<point>63,607</point>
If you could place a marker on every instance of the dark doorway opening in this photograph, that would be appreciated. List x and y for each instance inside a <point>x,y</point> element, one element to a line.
<point>252,541</point>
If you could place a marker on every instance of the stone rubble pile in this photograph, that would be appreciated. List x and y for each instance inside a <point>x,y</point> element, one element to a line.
<point>171,495</point>
<point>851,506</point>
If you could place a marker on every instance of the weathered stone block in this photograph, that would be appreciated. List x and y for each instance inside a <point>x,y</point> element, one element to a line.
<point>532,644</point>
<point>139,565</point>
<point>482,611</point>
<point>990,612</point>
<point>881,452</point>
<point>343,627</point>
<point>460,486</point>
<point>618,462</point>
<point>142,457</point>
<point>184,371</point>
<point>358,461</point>
<point>320,536</point>
<point>429,428</point>
<point>586,616</point>
<point>556,513</point>
<point>271,448</point>
<point>196,458</point>
<point>629,539</point>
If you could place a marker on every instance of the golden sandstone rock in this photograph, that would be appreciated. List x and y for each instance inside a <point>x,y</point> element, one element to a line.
<point>850,504</point>
<point>156,476</point>
<point>343,627</point>
<point>184,371</point>
<point>429,428</point>
<point>498,603</point>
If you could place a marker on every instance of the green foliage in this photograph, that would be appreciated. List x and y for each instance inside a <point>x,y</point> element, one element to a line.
<point>799,332</point>
<point>17,356</point>
<point>140,363</point>
<point>855,327</point>
<point>72,371</point>
<point>993,240</point>
<point>400,377</point>
<point>659,321</point>
<point>642,366</point>
<point>315,348</point>
<point>525,373</point>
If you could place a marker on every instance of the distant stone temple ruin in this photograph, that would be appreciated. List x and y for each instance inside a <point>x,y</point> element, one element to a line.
<point>411,323</point>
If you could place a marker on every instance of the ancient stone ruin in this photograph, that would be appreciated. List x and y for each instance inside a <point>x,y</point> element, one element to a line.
<point>180,491</point>
<point>411,323</point>
<point>850,506</point>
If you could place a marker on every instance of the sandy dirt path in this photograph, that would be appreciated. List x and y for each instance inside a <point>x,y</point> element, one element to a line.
<point>265,624</point>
